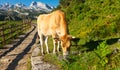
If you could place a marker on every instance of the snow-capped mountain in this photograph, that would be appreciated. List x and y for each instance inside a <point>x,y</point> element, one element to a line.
<point>40,6</point>
<point>36,6</point>
<point>20,5</point>
<point>19,9</point>
<point>6,6</point>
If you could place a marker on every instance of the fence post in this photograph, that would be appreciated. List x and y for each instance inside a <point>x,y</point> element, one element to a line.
<point>11,31</point>
<point>1,36</point>
<point>30,23</point>
<point>23,24</point>
<point>26,25</point>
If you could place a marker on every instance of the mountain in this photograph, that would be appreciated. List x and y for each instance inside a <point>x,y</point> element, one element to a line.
<point>5,6</point>
<point>19,9</point>
<point>37,6</point>
<point>20,5</point>
<point>40,6</point>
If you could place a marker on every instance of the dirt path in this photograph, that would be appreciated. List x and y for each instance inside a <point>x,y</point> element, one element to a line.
<point>16,57</point>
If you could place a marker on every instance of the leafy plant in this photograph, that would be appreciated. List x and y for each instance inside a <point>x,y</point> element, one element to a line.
<point>102,51</point>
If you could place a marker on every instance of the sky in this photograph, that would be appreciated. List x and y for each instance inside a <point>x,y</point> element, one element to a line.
<point>27,2</point>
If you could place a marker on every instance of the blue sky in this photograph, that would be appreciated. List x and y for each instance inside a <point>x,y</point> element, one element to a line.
<point>27,2</point>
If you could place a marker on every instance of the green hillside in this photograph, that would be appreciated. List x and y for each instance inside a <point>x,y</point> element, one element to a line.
<point>92,19</point>
<point>97,24</point>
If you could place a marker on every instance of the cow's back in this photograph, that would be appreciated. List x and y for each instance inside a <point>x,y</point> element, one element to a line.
<point>51,23</point>
<point>43,24</point>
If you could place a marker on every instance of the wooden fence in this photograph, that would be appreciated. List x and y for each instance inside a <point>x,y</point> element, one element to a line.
<point>9,32</point>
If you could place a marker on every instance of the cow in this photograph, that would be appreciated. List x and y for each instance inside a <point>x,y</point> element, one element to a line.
<point>54,24</point>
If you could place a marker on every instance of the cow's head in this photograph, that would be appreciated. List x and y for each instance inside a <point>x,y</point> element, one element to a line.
<point>65,43</point>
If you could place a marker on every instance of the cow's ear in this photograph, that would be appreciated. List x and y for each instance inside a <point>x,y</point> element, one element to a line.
<point>71,37</point>
<point>62,38</point>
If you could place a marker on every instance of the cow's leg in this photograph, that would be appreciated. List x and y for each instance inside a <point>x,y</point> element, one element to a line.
<point>58,46</point>
<point>41,40</point>
<point>65,52</point>
<point>46,43</point>
<point>54,43</point>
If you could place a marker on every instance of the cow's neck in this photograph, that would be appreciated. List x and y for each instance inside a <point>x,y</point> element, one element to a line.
<point>63,29</point>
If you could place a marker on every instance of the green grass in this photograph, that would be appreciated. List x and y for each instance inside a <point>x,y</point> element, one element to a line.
<point>53,59</point>
<point>29,67</point>
<point>34,21</point>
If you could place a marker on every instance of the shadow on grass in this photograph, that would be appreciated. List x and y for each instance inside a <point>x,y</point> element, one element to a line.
<point>93,44</point>
<point>90,47</point>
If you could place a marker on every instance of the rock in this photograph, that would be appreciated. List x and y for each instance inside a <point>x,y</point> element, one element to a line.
<point>118,40</point>
<point>35,52</point>
<point>5,60</point>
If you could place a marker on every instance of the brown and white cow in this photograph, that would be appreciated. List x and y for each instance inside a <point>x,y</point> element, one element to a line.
<point>54,24</point>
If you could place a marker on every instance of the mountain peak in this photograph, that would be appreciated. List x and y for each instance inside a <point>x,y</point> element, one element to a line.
<point>40,5</point>
<point>33,3</point>
<point>20,5</point>
<point>37,4</point>
<point>7,5</point>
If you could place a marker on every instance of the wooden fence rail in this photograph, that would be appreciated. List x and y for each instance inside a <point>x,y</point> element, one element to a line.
<point>9,32</point>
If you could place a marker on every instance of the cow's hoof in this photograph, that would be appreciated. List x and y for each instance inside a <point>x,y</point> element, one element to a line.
<point>54,52</point>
